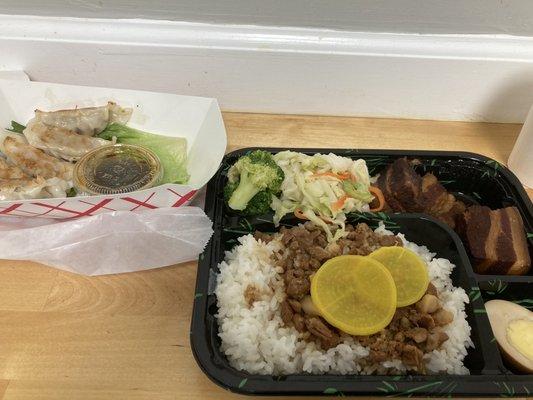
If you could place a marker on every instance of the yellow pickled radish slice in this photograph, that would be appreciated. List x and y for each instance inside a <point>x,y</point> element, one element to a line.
<point>354,294</point>
<point>408,270</point>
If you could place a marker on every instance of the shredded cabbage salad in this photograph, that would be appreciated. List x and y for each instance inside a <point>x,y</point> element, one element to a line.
<point>322,188</point>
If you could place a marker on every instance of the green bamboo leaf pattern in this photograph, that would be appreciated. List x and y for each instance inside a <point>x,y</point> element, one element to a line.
<point>347,152</point>
<point>374,219</point>
<point>264,220</point>
<point>377,159</point>
<point>426,386</point>
<point>390,389</point>
<point>507,389</point>
<point>331,390</point>
<point>242,383</point>
<point>376,163</point>
<point>474,294</point>
<point>356,215</point>
<point>198,295</point>
<point>238,231</point>
<point>413,391</point>
<point>527,303</point>
<point>476,195</point>
<point>443,390</point>
<point>387,387</point>
<point>480,311</point>
<point>226,164</point>
<point>529,235</point>
<point>496,286</point>
<point>447,182</point>
<point>245,224</point>
<point>495,165</point>
<point>448,389</point>
<point>502,286</point>
<point>383,216</point>
<point>270,222</point>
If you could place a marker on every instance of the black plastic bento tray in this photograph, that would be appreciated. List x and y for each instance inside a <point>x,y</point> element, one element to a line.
<point>474,179</point>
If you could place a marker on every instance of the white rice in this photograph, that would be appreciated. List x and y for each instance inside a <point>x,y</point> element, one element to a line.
<point>255,339</point>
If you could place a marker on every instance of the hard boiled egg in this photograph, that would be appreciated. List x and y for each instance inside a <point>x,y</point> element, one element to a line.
<point>513,329</point>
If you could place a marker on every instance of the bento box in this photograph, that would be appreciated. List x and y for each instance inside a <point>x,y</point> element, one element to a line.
<point>196,119</point>
<point>472,178</point>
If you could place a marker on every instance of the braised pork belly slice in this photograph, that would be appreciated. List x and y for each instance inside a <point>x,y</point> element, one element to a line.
<point>496,239</point>
<point>406,191</point>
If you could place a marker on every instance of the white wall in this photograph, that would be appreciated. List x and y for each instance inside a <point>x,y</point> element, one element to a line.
<point>435,59</point>
<point>282,70</point>
<point>513,17</point>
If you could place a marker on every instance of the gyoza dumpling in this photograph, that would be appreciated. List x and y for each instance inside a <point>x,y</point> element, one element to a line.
<point>87,121</point>
<point>35,162</point>
<point>29,173</point>
<point>67,134</point>
<point>56,187</point>
<point>23,188</point>
<point>10,171</point>
<point>60,142</point>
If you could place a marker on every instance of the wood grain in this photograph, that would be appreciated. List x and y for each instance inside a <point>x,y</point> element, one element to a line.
<point>3,387</point>
<point>64,336</point>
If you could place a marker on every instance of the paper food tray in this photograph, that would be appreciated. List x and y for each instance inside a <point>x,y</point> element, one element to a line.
<point>197,119</point>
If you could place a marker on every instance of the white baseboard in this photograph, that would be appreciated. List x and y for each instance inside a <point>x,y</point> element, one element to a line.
<point>283,70</point>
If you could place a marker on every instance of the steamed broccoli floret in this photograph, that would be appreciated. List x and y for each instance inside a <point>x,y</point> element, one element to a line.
<point>258,205</point>
<point>252,181</point>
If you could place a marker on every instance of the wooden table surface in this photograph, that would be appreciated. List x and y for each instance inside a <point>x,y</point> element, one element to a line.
<point>64,336</point>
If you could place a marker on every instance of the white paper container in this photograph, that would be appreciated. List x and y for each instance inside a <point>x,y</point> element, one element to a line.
<point>198,119</point>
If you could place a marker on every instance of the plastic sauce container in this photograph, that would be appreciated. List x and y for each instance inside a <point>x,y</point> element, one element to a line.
<point>118,168</point>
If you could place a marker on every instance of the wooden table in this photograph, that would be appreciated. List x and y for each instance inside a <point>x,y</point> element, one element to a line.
<point>64,336</point>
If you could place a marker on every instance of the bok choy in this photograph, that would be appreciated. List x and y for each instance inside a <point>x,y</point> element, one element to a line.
<point>172,151</point>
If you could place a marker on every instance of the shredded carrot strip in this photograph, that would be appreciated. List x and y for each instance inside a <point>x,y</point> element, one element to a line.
<point>339,203</point>
<point>344,175</point>
<point>321,174</point>
<point>379,195</point>
<point>341,175</point>
<point>299,214</point>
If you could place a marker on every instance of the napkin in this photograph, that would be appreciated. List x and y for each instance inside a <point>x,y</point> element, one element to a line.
<point>109,243</point>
